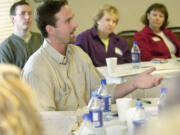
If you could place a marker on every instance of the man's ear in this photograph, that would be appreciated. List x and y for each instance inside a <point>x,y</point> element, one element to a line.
<point>12,19</point>
<point>49,29</point>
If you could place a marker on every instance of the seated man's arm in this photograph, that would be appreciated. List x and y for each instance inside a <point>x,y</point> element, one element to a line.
<point>142,81</point>
<point>5,54</point>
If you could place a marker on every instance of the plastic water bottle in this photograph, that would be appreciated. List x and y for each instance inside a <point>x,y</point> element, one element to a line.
<point>139,118</point>
<point>136,56</point>
<point>162,100</point>
<point>96,114</point>
<point>86,127</point>
<point>105,101</point>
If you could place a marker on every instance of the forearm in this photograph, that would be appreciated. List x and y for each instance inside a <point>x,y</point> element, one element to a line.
<point>123,89</point>
<point>143,81</point>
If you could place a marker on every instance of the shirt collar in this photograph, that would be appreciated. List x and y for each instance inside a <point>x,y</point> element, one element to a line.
<point>94,31</point>
<point>26,37</point>
<point>55,54</point>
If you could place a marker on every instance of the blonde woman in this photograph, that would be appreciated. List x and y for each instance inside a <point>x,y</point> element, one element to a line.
<point>18,115</point>
<point>100,41</point>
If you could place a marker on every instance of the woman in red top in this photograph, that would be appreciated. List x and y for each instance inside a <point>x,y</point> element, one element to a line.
<point>154,40</point>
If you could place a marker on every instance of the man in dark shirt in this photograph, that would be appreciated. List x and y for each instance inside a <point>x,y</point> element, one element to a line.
<point>20,45</point>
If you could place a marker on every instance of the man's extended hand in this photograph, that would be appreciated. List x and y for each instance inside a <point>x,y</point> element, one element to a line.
<point>146,80</point>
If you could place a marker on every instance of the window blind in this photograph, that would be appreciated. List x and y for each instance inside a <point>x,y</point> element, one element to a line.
<point>6,26</point>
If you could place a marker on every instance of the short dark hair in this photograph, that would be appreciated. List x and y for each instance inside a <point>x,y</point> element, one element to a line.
<point>158,7</point>
<point>45,14</point>
<point>13,7</point>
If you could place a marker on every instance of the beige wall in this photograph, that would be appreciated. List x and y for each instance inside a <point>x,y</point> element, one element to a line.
<point>130,12</point>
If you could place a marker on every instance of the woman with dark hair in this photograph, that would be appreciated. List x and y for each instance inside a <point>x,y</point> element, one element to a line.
<point>154,40</point>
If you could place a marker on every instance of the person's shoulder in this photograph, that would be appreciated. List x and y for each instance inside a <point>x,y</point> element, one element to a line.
<point>36,34</point>
<point>75,49</point>
<point>88,33</point>
<point>85,33</point>
<point>37,56</point>
<point>168,31</point>
<point>117,37</point>
<point>139,34</point>
<point>35,61</point>
<point>142,33</point>
<point>7,42</point>
<point>84,37</point>
<point>78,52</point>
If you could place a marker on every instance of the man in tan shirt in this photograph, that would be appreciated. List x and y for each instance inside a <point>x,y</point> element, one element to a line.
<point>62,74</point>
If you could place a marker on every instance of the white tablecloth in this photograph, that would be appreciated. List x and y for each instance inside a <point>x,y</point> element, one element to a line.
<point>170,72</point>
<point>58,122</point>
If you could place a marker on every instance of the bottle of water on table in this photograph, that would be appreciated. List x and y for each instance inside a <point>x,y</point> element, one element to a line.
<point>96,114</point>
<point>140,117</point>
<point>86,127</point>
<point>136,56</point>
<point>162,100</point>
<point>105,101</point>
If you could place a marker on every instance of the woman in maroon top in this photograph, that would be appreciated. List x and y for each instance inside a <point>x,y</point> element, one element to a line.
<point>154,40</point>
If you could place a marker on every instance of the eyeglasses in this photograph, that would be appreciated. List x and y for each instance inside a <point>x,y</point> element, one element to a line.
<point>25,13</point>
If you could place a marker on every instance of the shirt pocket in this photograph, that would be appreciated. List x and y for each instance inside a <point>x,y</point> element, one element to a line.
<point>80,87</point>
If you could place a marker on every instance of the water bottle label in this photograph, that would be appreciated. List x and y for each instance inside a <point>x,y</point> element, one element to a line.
<point>138,124</point>
<point>96,118</point>
<point>109,103</point>
<point>136,57</point>
<point>106,102</point>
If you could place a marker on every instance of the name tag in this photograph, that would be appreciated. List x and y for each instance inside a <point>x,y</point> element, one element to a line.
<point>118,51</point>
<point>156,39</point>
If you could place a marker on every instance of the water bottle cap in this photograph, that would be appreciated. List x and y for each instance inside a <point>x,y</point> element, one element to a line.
<point>134,42</point>
<point>139,103</point>
<point>163,90</point>
<point>86,116</point>
<point>95,94</point>
<point>103,82</point>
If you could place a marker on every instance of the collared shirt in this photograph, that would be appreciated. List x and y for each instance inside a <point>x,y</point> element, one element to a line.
<point>61,82</point>
<point>90,42</point>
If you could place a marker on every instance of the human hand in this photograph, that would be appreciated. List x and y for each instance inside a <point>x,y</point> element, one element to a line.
<point>146,80</point>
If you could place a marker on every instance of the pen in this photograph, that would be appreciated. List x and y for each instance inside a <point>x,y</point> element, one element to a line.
<point>145,101</point>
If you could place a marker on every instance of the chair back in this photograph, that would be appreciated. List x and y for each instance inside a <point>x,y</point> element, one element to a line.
<point>176,31</point>
<point>129,36</point>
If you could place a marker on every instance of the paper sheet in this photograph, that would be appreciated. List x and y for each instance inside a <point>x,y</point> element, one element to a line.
<point>58,123</point>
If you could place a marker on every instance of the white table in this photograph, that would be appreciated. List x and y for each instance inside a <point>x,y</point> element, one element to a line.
<point>63,122</point>
<point>115,127</point>
<point>58,123</point>
<point>170,72</point>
